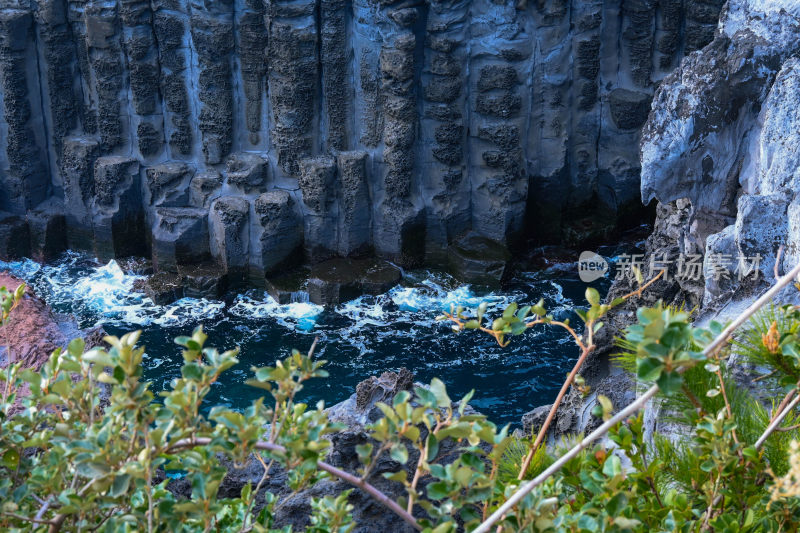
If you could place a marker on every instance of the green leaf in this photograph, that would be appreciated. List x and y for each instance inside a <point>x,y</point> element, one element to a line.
<point>11,459</point>
<point>440,392</point>
<point>592,296</point>
<point>612,466</point>
<point>669,382</point>
<point>617,503</point>
<point>400,476</point>
<point>120,485</point>
<point>648,368</point>
<point>192,371</point>
<point>76,346</point>
<point>399,453</point>
<point>438,490</point>
<point>433,447</point>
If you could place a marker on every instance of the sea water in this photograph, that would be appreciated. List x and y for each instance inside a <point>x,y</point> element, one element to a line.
<point>359,338</point>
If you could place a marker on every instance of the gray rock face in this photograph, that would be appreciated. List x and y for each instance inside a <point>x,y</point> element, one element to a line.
<point>179,237</point>
<point>719,151</point>
<point>394,128</point>
<point>117,217</point>
<point>278,235</point>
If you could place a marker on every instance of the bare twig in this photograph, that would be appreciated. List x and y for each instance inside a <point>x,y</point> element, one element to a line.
<point>586,349</point>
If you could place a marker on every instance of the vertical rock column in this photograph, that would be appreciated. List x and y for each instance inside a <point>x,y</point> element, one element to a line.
<point>585,111</point>
<point>445,187</point>
<point>58,53</point>
<point>701,21</point>
<point>293,80</point>
<point>318,185</point>
<point>366,40</point>
<point>228,226</point>
<point>628,70</point>
<point>335,60</point>
<point>23,171</point>
<point>106,59</point>
<point>212,37</point>
<point>499,181</point>
<point>77,173</point>
<point>278,235</point>
<point>399,224</point>
<point>117,216</point>
<point>252,49</point>
<point>669,14</point>
<point>549,125</point>
<point>354,230</point>
<point>142,55</point>
<point>170,24</point>
<point>87,113</point>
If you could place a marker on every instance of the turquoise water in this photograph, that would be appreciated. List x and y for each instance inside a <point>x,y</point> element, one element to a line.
<point>360,338</point>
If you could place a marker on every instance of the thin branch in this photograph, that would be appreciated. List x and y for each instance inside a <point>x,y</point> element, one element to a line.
<point>639,403</point>
<point>27,519</point>
<point>551,415</point>
<point>585,351</point>
<point>43,509</point>
<point>777,421</point>
<point>341,474</point>
<point>783,403</point>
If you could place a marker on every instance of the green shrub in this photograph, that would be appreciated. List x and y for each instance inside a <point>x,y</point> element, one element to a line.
<point>72,460</point>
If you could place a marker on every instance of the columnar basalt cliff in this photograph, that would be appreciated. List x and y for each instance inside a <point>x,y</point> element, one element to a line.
<point>249,135</point>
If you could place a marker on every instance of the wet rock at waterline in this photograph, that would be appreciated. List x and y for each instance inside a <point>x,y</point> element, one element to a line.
<point>338,280</point>
<point>158,129</point>
<point>163,287</point>
<point>478,259</point>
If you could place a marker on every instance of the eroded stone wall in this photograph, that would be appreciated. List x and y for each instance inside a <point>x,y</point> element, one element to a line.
<point>259,133</point>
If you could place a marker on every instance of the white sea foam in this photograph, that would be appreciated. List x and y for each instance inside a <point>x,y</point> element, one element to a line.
<point>299,315</point>
<point>104,294</point>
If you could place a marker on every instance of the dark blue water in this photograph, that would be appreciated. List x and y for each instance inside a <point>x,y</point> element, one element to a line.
<point>360,338</point>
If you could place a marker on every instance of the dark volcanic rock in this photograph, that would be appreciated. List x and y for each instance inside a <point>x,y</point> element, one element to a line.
<point>629,108</point>
<point>15,240</point>
<point>289,287</point>
<point>48,231</point>
<point>179,237</point>
<point>338,280</point>
<point>202,281</point>
<point>164,288</point>
<point>478,260</point>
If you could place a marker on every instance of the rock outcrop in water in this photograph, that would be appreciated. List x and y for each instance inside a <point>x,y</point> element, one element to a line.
<point>255,134</point>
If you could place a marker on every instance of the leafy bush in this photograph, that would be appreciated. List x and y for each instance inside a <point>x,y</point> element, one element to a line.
<point>85,449</point>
